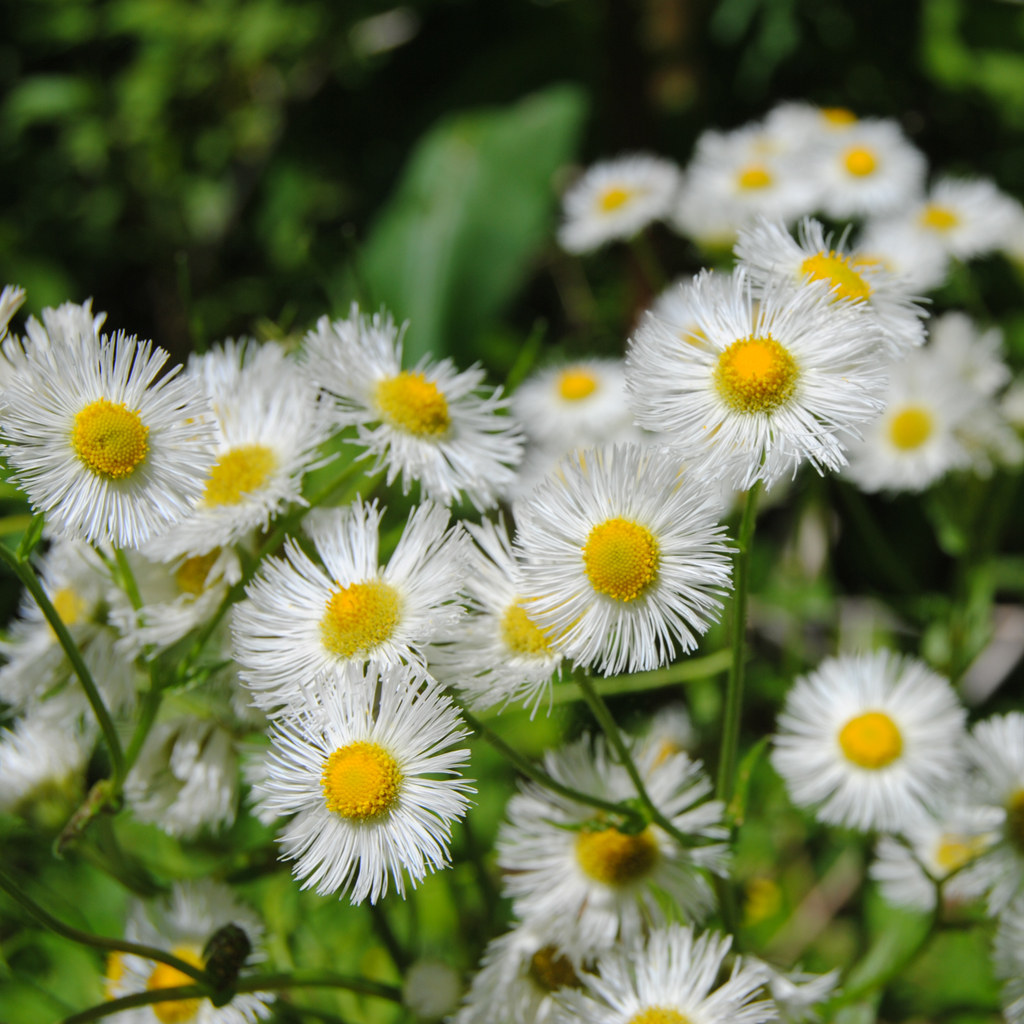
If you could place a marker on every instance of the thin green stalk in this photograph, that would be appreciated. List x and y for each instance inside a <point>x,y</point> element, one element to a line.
<point>24,571</point>
<point>733,712</point>
<point>650,265</point>
<point>386,934</point>
<point>127,578</point>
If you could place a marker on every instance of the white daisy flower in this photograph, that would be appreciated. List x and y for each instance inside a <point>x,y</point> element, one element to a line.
<point>870,741</point>
<point>183,924</point>
<point>106,450</point>
<point>1008,960</point>
<point>302,621</point>
<point>670,977</point>
<point>622,558</point>
<point>758,386</point>
<point>770,254</point>
<point>591,882</point>
<point>374,782</point>
<point>11,299</point>
<point>499,654</point>
<point>615,199</point>
<point>797,995</point>
<point>670,731</point>
<point>270,425</point>
<point>867,170</point>
<point>799,126</point>
<point>429,424</point>
<point>900,249</point>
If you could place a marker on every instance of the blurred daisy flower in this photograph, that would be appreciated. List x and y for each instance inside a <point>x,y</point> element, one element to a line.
<point>1008,960</point>
<point>869,741</point>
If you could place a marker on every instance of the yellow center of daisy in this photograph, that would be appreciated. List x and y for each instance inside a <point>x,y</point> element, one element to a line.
<point>938,218</point>
<point>70,605</point>
<point>659,1015</point>
<point>412,403</point>
<point>954,851</point>
<point>110,438</point>
<point>613,198</point>
<point>114,973</point>
<point>621,558</point>
<point>552,970</point>
<point>753,177</point>
<point>860,161</point>
<point>239,472</point>
<point>1015,819</point>
<point>361,781</point>
<point>756,375</point>
<point>175,1011</point>
<point>521,634</point>
<point>576,383</point>
<point>838,116</point>
<point>191,574</point>
<point>871,740</point>
<point>359,618</point>
<point>839,272</point>
<point>616,858</point>
<point>910,428</point>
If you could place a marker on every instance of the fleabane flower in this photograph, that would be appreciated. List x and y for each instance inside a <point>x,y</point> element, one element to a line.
<point>869,741</point>
<point>1008,960</point>
<point>761,383</point>
<point>303,620</point>
<point>11,299</point>
<point>622,558</point>
<point>614,199</point>
<point>669,977</point>
<point>109,452</point>
<point>431,423</point>
<point>375,781</point>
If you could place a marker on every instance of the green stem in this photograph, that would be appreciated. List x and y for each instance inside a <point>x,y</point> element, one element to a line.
<point>127,578</point>
<point>648,262</point>
<point>386,934</point>
<point>151,700</point>
<point>24,571</point>
<point>734,688</point>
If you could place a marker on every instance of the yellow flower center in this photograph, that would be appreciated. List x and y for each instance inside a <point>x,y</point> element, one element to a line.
<point>910,427</point>
<point>659,1015</point>
<point>764,900</point>
<point>753,177</point>
<point>616,858</point>
<point>521,634</point>
<point>70,605</point>
<point>756,375</point>
<point>239,472</point>
<point>839,272</point>
<point>954,851</point>
<point>191,574</point>
<point>938,218</point>
<point>621,558</point>
<point>110,439</point>
<point>361,781</point>
<point>871,740</point>
<point>613,198</point>
<point>412,403</point>
<point>551,970</point>
<point>576,383</point>
<point>838,116</point>
<point>114,973</point>
<point>175,1011</point>
<point>860,161</point>
<point>359,618</point>
<point>1015,819</point>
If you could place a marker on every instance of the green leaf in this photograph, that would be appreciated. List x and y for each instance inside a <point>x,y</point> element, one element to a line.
<point>474,206</point>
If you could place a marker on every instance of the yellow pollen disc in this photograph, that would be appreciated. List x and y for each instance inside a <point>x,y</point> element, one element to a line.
<point>615,858</point>
<point>239,472</point>
<point>191,575</point>
<point>839,272</point>
<point>754,176</point>
<point>756,375</point>
<point>621,558</point>
<point>938,218</point>
<point>871,740</point>
<point>361,781</point>
<point>659,1015</point>
<point>613,198</point>
<point>552,971</point>
<point>910,428</point>
<point>412,403</point>
<point>860,162</point>
<point>838,116</point>
<point>175,1011</point>
<point>114,973</point>
<point>667,749</point>
<point>1015,819</point>
<point>110,439</point>
<point>576,383</point>
<point>521,634</point>
<point>359,618</point>
<point>764,900</point>
<point>70,606</point>
<point>954,851</point>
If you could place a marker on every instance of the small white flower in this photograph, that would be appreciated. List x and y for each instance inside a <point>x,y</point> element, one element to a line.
<point>903,251</point>
<point>797,994</point>
<point>11,299</point>
<point>1008,960</point>
<point>870,741</point>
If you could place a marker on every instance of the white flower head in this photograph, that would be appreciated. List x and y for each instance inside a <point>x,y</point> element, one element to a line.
<point>11,299</point>
<point>1008,960</point>
<point>374,779</point>
<point>106,450</point>
<point>900,249</point>
<point>870,741</point>
<point>614,199</point>
<point>431,424</point>
<point>622,558</point>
